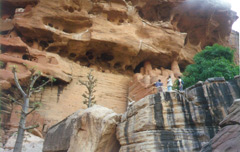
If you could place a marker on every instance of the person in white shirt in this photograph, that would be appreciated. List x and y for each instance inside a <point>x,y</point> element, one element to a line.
<point>169,83</point>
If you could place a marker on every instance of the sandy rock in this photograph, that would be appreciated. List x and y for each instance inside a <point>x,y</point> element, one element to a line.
<point>5,84</point>
<point>31,143</point>
<point>117,36</point>
<point>91,130</point>
<point>142,83</point>
<point>227,139</point>
<point>175,121</point>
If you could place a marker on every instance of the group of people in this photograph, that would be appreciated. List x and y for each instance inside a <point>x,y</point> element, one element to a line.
<point>159,84</point>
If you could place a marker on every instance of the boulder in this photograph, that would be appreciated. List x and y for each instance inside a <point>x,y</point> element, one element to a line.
<point>31,143</point>
<point>227,139</point>
<point>90,130</point>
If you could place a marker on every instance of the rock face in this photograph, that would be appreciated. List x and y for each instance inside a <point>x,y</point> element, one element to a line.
<point>64,38</point>
<point>234,44</point>
<point>142,83</point>
<point>227,139</point>
<point>31,143</point>
<point>177,122</point>
<point>91,130</point>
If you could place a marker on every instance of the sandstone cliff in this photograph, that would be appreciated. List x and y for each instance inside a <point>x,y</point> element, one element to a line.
<point>170,121</point>
<point>175,121</point>
<point>227,139</point>
<point>64,38</point>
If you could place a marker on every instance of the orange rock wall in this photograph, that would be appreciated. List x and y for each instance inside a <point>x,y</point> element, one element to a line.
<point>234,44</point>
<point>60,101</point>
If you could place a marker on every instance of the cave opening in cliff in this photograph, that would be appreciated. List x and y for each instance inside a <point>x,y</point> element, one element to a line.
<point>138,67</point>
<point>106,57</point>
<point>43,44</point>
<point>26,57</point>
<point>89,54</point>
<point>4,32</point>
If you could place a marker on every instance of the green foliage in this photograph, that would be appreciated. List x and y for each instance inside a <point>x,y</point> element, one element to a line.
<point>213,61</point>
<point>175,85</point>
<point>2,64</point>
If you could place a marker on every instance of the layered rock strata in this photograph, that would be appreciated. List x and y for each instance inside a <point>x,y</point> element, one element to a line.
<point>113,37</point>
<point>142,84</point>
<point>90,130</point>
<point>227,139</point>
<point>177,122</point>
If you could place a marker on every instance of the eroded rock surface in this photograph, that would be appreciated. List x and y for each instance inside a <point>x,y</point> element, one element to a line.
<point>118,35</point>
<point>177,122</point>
<point>142,83</point>
<point>227,139</point>
<point>31,143</point>
<point>113,37</point>
<point>91,130</point>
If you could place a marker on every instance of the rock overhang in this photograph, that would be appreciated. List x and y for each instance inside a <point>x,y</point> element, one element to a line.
<point>129,31</point>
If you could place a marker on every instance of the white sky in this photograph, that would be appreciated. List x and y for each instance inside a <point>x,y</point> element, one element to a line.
<point>235,7</point>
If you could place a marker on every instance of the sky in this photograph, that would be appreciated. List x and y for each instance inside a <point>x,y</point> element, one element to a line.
<point>235,7</point>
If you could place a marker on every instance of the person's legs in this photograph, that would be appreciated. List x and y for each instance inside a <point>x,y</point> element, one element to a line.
<point>180,87</point>
<point>169,88</point>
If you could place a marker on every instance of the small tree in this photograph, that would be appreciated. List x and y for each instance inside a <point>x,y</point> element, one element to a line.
<point>213,61</point>
<point>90,84</point>
<point>25,106</point>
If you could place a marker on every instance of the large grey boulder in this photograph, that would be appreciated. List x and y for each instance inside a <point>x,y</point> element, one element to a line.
<point>31,143</point>
<point>90,130</point>
<point>228,138</point>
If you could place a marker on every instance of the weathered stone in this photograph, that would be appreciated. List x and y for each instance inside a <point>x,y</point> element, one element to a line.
<point>31,143</point>
<point>227,139</point>
<point>143,83</point>
<point>91,130</point>
<point>175,121</point>
<point>215,79</point>
<point>115,37</point>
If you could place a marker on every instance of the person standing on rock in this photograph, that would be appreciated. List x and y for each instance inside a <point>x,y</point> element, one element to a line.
<point>169,83</point>
<point>159,85</point>
<point>180,84</point>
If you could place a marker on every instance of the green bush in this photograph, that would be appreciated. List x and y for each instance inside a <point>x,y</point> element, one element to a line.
<point>213,61</point>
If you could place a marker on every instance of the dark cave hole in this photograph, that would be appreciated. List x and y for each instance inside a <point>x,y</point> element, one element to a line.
<point>138,67</point>
<point>70,9</point>
<point>67,31</point>
<point>89,55</point>
<point>4,32</point>
<point>129,67</point>
<point>186,40</point>
<point>121,21</point>
<point>63,52</point>
<point>29,42</point>
<point>106,57</point>
<point>72,55</point>
<point>117,65</point>
<point>50,41</point>
<point>43,44</point>
<point>19,33</point>
<point>26,57</point>
<point>50,24</point>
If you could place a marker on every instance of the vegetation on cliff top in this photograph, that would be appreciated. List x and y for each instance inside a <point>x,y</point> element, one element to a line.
<point>213,61</point>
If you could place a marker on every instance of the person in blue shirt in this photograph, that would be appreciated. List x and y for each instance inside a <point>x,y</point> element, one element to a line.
<point>159,85</point>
